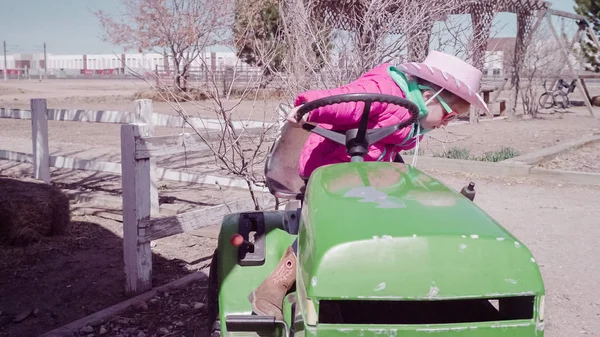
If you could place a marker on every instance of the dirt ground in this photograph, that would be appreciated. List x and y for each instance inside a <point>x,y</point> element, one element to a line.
<point>116,95</point>
<point>584,159</point>
<point>67,277</point>
<point>525,135</point>
<point>64,278</point>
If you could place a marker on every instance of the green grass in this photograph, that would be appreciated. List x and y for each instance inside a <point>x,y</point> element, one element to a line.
<point>490,156</point>
<point>499,155</point>
<point>412,152</point>
<point>455,153</point>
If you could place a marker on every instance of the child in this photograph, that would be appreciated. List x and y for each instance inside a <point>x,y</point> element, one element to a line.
<point>443,87</point>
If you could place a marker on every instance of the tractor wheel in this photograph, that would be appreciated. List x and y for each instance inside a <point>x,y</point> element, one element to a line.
<point>212,303</point>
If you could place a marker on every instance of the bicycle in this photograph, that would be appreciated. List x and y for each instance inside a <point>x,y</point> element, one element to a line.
<point>560,98</point>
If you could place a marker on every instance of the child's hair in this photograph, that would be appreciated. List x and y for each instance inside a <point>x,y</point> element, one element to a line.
<point>448,96</point>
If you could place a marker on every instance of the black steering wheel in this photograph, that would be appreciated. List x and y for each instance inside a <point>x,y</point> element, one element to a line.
<point>357,141</point>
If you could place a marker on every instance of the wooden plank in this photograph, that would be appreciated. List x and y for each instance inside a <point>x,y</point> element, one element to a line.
<point>74,115</point>
<point>16,156</point>
<point>136,207</point>
<point>143,113</point>
<point>585,90</point>
<point>216,124</point>
<point>186,222</point>
<point>575,39</point>
<point>15,113</point>
<point>566,14</point>
<point>84,164</point>
<point>571,68</point>
<point>499,91</point>
<point>123,117</point>
<point>206,179</point>
<point>92,116</point>
<point>110,167</point>
<point>39,136</point>
<point>204,123</point>
<point>173,121</point>
<point>168,145</point>
<point>100,317</point>
<point>65,162</point>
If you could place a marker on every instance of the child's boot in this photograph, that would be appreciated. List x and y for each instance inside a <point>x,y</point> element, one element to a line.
<point>267,299</point>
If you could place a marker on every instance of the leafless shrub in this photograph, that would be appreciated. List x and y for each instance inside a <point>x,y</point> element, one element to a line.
<point>181,28</point>
<point>541,64</point>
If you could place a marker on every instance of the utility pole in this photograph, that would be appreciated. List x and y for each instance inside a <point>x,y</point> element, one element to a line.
<point>4,72</point>
<point>45,62</point>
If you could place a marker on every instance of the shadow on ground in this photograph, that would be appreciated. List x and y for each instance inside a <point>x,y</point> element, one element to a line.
<point>64,278</point>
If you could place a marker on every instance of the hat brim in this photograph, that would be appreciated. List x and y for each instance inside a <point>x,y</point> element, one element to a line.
<point>446,81</point>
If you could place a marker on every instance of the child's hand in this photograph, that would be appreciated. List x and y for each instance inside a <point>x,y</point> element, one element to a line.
<point>292,115</point>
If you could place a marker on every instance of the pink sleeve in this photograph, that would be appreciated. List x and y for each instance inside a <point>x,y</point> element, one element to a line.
<point>336,114</point>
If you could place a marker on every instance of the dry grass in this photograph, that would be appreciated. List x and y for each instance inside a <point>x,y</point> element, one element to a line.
<point>197,94</point>
<point>31,211</point>
<point>160,95</point>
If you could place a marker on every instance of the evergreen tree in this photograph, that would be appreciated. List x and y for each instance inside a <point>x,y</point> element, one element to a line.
<point>257,33</point>
<point>591,10</point>
<point>260,40</point>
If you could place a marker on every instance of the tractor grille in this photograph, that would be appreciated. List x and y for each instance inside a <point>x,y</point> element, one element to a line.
<point>426,312</point>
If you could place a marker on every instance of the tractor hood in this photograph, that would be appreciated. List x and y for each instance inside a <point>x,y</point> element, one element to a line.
<point>386,230</point>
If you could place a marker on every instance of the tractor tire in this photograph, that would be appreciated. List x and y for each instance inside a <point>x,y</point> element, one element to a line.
<point>212,303</point>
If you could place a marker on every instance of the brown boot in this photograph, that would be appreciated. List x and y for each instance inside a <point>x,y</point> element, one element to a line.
<point>267,299</point>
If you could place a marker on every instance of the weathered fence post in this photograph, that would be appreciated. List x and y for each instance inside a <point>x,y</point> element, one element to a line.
<point>136,186</point>
<point>474,115</point>
<point>39,137</point>
<point>143,114</point>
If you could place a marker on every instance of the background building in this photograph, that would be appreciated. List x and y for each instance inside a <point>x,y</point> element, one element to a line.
<point>138,62</point>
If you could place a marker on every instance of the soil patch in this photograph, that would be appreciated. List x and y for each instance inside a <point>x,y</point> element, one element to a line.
<point>583,159</point>
<point>64,278</point>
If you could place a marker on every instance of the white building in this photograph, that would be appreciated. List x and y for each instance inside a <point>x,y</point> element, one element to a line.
<point>137,62</point>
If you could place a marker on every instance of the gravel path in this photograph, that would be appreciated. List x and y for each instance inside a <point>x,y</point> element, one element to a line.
<point>559,224</point>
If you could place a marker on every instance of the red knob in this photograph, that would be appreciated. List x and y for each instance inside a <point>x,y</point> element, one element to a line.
<point>237,240</point>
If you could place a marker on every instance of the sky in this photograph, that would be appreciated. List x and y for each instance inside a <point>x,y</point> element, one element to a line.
<point>70,26</point>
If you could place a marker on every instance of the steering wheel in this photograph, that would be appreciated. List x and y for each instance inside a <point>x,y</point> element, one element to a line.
<point>357,141</point>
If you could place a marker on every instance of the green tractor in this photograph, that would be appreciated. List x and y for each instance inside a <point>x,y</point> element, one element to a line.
<point>383,250</point>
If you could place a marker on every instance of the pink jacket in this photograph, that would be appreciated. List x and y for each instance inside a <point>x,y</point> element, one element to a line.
<point>319,151</point>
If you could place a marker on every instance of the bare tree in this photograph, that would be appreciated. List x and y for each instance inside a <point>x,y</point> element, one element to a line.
<point>365,34</point>
<point>540,64</point>
<point>246,127</point>
<point>456,34</point>
<point>182,27</point>
<point>239,145</point>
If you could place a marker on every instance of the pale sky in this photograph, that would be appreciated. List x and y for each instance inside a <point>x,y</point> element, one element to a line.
<point>70,27</point>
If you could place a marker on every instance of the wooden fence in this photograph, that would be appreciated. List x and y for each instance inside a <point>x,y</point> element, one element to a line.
<point>42,160</point>
<point>139,176</point>
<point>140,201</point>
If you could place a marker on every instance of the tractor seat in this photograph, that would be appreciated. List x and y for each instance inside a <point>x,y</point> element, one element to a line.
<point>281,167</point>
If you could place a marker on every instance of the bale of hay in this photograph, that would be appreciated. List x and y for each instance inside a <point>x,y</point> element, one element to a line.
<point>30,211</point>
